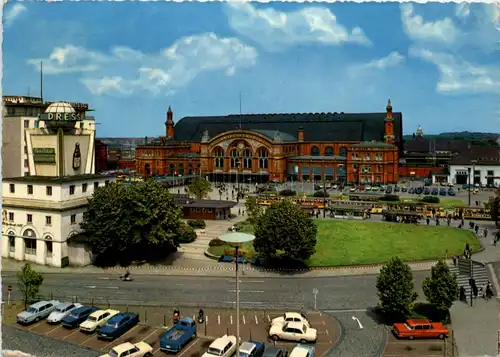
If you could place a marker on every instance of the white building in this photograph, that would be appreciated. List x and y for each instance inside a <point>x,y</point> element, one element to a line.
<point>41,213</point>
<point>20,115</point>
<point>483,163</point>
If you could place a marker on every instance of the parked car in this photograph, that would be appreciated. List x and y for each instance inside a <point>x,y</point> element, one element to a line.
<point>117,325</point>
<point>404,189</point>
<point>420,328</point>
<point>434,191</point>
<point>178,336</point>
<point>411,190</point>
<point>388,190</point>
<point>36,312</point>
<point>352,189</point>
<point>77,316</point>
<point>396,189</point>
<point>62,310</point>
<point>302,351</point>
<point>224,346</point>
<point>368,188</point>
<point>442,191</point>
<point>252,349</point>
<point>139,349</point>
<point>419,190</point>
<point>293,331</point>
<point>97,319</point>
<point>427,191</point>
<point>226,259</point>
<point>290,317</point>
<point>259,261</point>
<point>451,192</point>
<point>273,351</point>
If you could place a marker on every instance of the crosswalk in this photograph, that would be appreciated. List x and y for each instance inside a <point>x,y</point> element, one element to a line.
<point>480,275</point>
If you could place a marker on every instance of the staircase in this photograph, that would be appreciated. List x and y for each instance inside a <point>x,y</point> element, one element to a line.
<point>479,273</point>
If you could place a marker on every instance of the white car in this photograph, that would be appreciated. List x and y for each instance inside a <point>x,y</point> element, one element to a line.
<point>62,310</point>
<point>224,346</point>
<point>368,188</point>
<point>97,319</point>
<point>37,311</point>
<point>290,317</point>
<point>352,189</point>
<point>293,331</point>
<point>139,349</point>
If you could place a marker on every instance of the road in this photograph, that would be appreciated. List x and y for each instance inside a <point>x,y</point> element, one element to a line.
<point>335,293</point>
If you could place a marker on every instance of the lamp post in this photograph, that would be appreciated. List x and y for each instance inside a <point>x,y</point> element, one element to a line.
<point>468,182</point>
<point>237,239</point>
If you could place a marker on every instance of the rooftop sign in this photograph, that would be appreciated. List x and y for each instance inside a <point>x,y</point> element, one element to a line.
<point>60,117</point>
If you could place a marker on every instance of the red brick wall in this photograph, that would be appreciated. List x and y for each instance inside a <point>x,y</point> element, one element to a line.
<point>424,172</point>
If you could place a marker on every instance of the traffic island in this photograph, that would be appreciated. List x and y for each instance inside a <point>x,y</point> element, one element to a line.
<point>423,348</point>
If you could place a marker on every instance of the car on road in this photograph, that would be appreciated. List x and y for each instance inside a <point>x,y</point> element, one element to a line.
<point>252,349</point>
<point>97,319</point>
<point>302,351</point>
<point>224,346</point>
<point>139,349</point>
<point>290,317</point>
<point>36,312</point>
<point>178,336</point>
<point>293,331</point>
<point>420,328</point>
<point>77,316</point>
<point>117,325</point>
<point>273,351</point>
<point>62,310</point>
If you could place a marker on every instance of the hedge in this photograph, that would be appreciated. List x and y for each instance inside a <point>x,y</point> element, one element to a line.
<point>430,199</point>
<point>197,223</point>
<point>186,234</point>
<point>321,194</point>
<point>288,192</point>
<point>390,198</point>
<point>216,242</point>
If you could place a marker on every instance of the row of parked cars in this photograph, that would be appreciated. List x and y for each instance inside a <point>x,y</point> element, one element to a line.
<point>442,191</point>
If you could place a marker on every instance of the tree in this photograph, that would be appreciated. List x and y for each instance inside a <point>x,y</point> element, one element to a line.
<point>395,289</point>
<point>494,207</point>
<point>441,288</point>
<point>199,188</point>
<point>136,222</point>
<point>286,227</point>
<point>29,282</point>
<point>254,210</point>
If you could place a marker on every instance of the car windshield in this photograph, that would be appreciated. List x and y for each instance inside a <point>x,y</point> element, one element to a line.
<point>214,351</point>
<point>92,318</point>
<point>112,324</point>
<point>31,310</point>
<point>113,353</point>
<point>244,354</point>
<point>60,309</point>
<point>75,316</point>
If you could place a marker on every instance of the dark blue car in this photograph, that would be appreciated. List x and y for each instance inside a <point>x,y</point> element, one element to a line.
<point>178,336</point>
<point>77,316</point>
<point>117,326</point>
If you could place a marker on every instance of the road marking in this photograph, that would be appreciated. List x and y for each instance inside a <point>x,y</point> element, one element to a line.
<point>113,341</point>
<point>347,310</point>
<point>88,339</point>
<point>90,286</point>
<point>244,322</point>
<point>104,278</point>
<point>218,319</point>
<point>148,336</point>
<point>324,323</point>
<point>111,287</point>
<point>244,302</point>
<point>57,327</point>
<point>154,352</point>
<point>35,325</point>
<point>246,291</point>
<point>188,347</point>
<point>206,320</point>
<point>327,333</point>
<point>231,317</point>
<point>268,318</point>
<point>256,320</point>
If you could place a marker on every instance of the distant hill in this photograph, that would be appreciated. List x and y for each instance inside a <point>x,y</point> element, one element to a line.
<point>463,135</point>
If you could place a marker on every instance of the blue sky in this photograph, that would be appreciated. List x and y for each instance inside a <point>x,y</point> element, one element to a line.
<point>439,63</point>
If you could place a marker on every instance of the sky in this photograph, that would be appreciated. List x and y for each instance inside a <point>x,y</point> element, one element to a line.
<point>438,63</point>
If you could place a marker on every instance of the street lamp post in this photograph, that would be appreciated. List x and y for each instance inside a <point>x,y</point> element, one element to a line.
<point>237,239</point>
<point>468,182</point>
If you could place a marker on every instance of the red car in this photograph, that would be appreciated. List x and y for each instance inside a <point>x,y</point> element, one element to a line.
<point>420,328</point>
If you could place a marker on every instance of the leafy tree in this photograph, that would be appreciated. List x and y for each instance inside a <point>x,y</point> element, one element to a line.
<point>199,188</point>
<point>186,233</point>
<point>395,289</point>
<point>494,206</point>
<point>29,283</point>
<point>288,228</point>
<point>136,222</point>
<point>441,288</point>
<point>253,209</point>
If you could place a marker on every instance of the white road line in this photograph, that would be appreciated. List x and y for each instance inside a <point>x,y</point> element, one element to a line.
<point>218,319</point>
<point>347,310</point>
<point>244,302</point>
<point>194,317</point>
<point>126,333</point>
<point>247,291</point>
<point>154,352</point>
<point>244,322</point>
<point>188,347</point>
<point>154,331</point>
<point>111,287</point>
<point>90,286</point>
<point>206,320</point>
<point>231,318</point>
<point>104,278</point>
<point>324,323</point>
<point>256,320</point>
<point>58,327</point>
<point>268,318</point>
<point>494,277</point>
<point>87,340</point>
<point>35,325</point>
<point>327,333</point>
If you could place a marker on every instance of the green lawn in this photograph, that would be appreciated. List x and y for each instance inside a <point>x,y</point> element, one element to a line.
<point>352,243</point>
<point>357,242</point>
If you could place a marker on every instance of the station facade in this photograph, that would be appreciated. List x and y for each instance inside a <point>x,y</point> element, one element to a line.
<point>333,147</point>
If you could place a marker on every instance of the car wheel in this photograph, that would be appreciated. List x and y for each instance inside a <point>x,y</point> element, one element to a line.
<point>37,319</point>
<point>441,337</point>
<point>275,337</point>
<point>303,341</point>
<point>148,354</point>
<point>411,337</point>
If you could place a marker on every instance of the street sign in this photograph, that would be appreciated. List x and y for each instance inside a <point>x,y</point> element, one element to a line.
<point>315,292</point>
<point>9,288</point>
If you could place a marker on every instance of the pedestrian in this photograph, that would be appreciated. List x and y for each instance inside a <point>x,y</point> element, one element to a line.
<point>239,212</point>
<point>243,212</point>
<point>485,233</point>
<point>428,220</point>
<point>476,229</point>
<point>462,294</point>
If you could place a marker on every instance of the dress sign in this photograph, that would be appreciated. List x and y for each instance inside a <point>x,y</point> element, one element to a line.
<point>77,157</point>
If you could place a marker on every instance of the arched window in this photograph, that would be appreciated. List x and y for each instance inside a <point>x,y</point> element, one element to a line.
<point>147,169</point>
<point>343,152</point>
<point>29,242</point>
<point>12,241</point>
<point>190,169</point>
<point>219,158</point>
<point>172,170</point>
<point>314,151</point>
<point>181,169</point>
<point>247,159</point>
<point>329,151</point>
<point>263,155</point>
<point>235,159</point>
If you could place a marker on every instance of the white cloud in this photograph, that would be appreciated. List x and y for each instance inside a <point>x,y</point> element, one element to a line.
<point>13,12</point>
<point>275,30</point>
<point>439,31</point>
<point>458,75</point>
<point>124,71</point>
<point>462,10</point>
<point>391,60</point>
